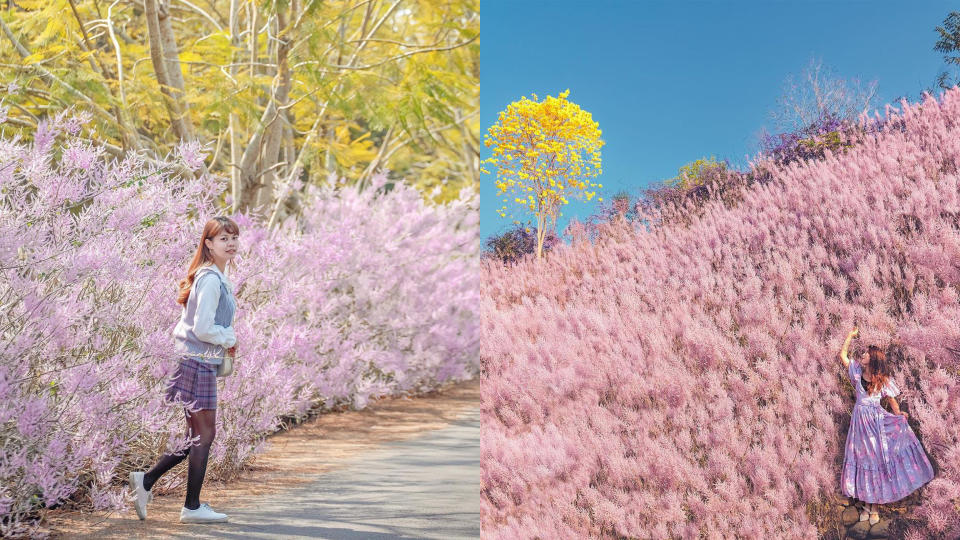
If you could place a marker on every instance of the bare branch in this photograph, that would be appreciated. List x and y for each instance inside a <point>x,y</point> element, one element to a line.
<point>373,31</point>
<point>203,13</point>
<point>293,171</point>
<point>820,93</point>
<point>391,41</point>
<point>371,167</point>
<point>85,44</point>
<point>51,78</point>
<point>405,55</point>
<point>116,47</point>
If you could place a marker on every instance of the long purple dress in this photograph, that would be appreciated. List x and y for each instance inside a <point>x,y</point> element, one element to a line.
<point>883,461</point>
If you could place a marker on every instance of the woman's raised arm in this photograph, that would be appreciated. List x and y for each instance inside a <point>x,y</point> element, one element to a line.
<point>846,345</point>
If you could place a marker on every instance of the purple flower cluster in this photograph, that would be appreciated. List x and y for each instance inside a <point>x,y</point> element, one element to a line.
<point>366,294</point>
<point>828,132</point>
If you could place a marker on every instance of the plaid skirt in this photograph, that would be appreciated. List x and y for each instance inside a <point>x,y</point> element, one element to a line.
<point>194,381</point>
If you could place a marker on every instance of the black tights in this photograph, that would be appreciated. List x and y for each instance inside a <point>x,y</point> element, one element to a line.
<point>202,423</point>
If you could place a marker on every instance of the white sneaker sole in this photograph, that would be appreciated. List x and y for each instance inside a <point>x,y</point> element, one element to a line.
<point>201,520</point>
<point>141,512</point>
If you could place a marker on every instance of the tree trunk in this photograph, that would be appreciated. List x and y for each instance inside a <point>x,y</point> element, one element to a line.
<point>173,94</point>
<point>234,120</point>
<point>471,154</point>
<point>263,150</point>
<point>274,134</point>
<point>540,233</point>
<point>171,53</point>
<point>254,43</point>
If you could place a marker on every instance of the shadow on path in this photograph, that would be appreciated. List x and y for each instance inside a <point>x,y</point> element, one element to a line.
<point>402,468</point>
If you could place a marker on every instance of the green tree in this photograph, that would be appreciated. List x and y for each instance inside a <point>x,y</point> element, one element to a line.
<point>949,45</point>
<point>697,173</point>
<point>281,90</point>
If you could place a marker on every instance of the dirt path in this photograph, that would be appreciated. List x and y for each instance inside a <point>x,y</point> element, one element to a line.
<point>401,468</point>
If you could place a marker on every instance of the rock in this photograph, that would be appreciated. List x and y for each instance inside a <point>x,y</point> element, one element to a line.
<point>860,530</point>
<point>879,530</point>
<point>843,500</point>
<point>850,515</point>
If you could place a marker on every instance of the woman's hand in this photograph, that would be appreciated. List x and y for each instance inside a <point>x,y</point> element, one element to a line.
<point>904,413</point>
<point>846,344</point>
<point>232,351</point>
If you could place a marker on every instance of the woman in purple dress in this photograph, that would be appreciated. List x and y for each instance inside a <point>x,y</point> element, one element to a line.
<point>883,460</point>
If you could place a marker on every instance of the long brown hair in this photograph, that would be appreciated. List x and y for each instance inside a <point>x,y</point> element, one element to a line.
<point>879,370</point>
<point>202,255</point>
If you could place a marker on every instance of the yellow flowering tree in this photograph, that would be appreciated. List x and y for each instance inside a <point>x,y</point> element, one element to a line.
<point>545,152</point>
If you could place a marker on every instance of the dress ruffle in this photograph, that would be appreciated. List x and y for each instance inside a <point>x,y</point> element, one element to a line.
<point>883,459</point>
<point>891,481</point>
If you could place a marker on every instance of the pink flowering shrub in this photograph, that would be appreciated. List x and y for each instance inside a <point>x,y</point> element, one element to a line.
<point>368,294</point>
<point>682,381</point>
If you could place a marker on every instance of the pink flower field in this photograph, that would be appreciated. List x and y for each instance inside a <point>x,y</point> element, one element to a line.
<point>683,381</point>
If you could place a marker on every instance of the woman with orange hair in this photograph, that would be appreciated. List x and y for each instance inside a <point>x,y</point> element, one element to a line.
<point>202,337</point>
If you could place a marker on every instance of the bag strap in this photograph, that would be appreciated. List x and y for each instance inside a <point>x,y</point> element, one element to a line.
<point>207,270</point>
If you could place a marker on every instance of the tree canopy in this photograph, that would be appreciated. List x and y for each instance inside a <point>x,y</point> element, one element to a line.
<point>949,45</point>
<point>545,152</point>
<point>281,91</point>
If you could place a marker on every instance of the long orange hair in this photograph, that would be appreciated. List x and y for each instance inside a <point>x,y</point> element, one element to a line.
<point>203,255</point>
<point>879,370</point>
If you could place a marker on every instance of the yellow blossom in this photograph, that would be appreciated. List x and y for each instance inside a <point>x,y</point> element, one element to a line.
<point>549,149</point>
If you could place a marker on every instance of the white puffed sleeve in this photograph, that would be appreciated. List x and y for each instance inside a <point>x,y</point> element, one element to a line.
<point>891,389</point>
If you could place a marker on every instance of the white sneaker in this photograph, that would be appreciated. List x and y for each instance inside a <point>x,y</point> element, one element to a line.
<point>203,514</point>
<point>142,496</point>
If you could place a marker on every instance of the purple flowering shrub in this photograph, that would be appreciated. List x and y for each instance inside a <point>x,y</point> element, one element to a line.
<point>829,132</point>
<point>682,199</point>
<point>621,205</point>
<point>516,243</point>
<point>682,380</point>
<point>367,294</point>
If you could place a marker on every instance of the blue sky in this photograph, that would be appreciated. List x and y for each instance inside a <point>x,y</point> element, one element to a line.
<point>670,82</point>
